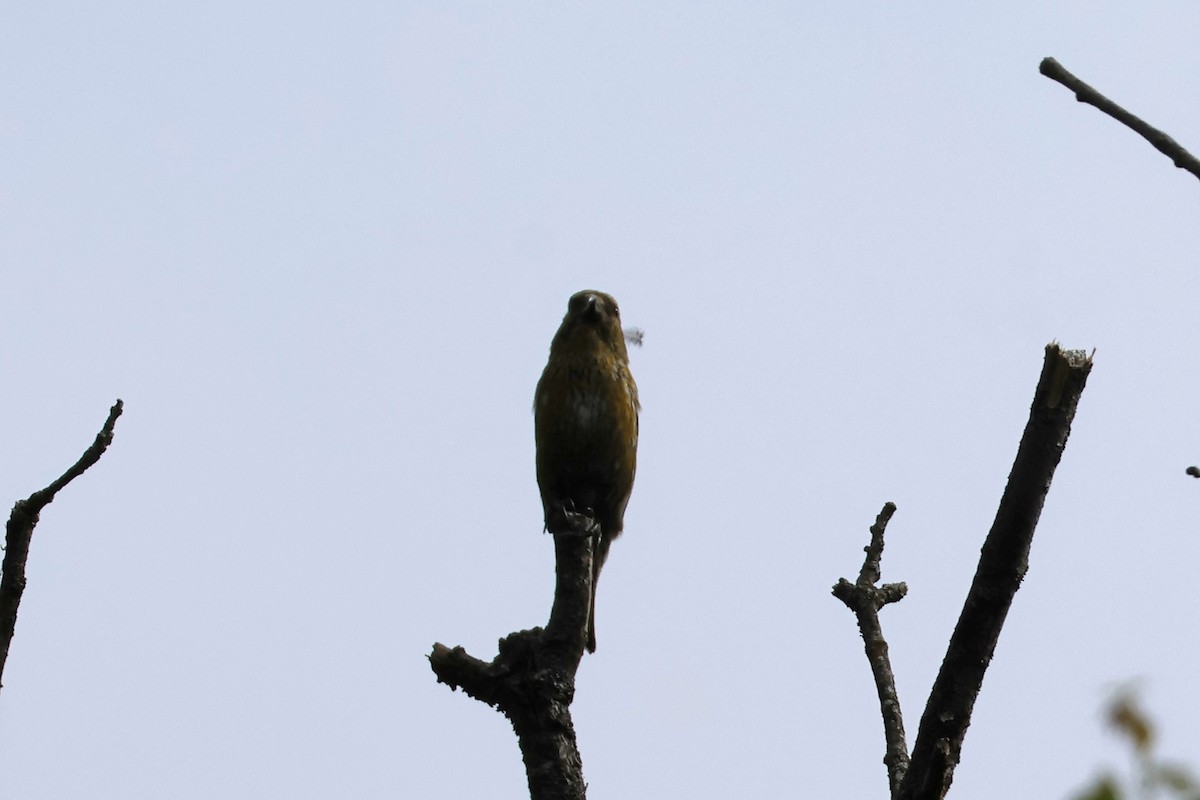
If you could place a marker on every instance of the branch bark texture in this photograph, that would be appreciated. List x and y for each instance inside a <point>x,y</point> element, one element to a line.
<point>1002,566</point>
<point>1086,94</point>
<point>19,533</point>
<point>532,679</point>
<point>865,599</point>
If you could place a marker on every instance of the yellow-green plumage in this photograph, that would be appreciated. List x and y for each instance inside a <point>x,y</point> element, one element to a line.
<point>586,425</point>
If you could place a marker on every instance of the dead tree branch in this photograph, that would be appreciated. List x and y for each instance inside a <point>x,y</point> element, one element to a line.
<point>865,599</point>
<point>532,679</point>
<point>926,774</point>
<point>1086,94</point>
<point>1002,566</point>
<point>20,532</point>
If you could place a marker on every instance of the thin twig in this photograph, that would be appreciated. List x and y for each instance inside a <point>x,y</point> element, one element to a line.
<point>20,532</point>
<point>1086,94</point>
<point>865,599</point>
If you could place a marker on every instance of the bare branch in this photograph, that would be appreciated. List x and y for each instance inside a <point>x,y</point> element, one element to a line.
<point>1002,566</point>
<point>865,599</point>
<point>1086,94</point>
<point>20,532</point>
<point>532,679</point>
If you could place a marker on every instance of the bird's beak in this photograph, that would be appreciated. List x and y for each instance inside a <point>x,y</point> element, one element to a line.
<point>591,311</point>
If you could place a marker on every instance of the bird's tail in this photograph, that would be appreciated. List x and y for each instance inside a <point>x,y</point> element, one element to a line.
<point>599,555</point>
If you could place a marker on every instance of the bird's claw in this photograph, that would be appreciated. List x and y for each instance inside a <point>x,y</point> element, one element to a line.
<point>581,523</point>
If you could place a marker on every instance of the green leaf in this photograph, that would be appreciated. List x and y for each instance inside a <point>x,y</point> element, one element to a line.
<point>1175,777</point>
<point>1127,716</point>
<point>1105,789</point>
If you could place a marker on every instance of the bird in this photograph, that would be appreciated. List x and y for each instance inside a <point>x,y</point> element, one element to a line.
<point>585,412</point>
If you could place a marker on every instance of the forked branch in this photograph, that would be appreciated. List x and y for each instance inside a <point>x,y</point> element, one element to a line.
<point>532,679</point>
<point>927,772</point>
<point>865,599</point>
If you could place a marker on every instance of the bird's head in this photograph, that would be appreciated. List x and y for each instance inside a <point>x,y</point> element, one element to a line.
<point>593,320</point>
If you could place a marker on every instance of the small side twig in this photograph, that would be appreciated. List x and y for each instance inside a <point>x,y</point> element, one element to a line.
<point>20,532</point>
<point>1086,94</point>
<point>865,599</point>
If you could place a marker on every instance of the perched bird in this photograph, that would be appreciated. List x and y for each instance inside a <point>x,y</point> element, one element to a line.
<point>585,413</point>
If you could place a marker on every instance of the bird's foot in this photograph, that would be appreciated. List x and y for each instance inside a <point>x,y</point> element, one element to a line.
<point>578,522</point>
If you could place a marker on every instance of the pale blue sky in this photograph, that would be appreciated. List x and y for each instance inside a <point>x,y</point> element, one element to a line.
<point>320,251</point>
